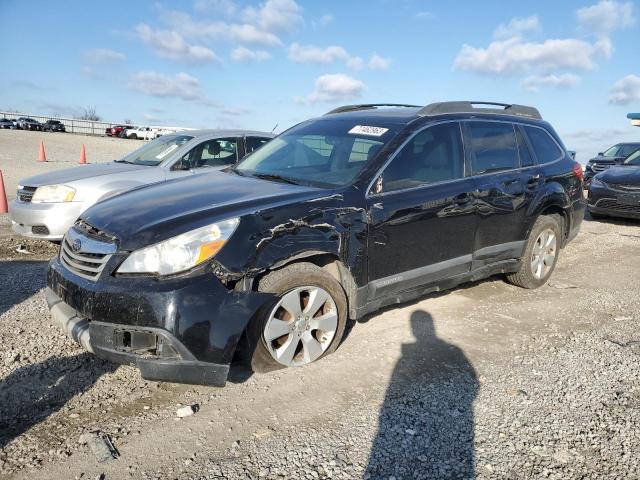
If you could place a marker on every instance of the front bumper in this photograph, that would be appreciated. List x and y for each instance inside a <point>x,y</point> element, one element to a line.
<point>182,330</point>
<point>604,200</point>
<point>57,218</point>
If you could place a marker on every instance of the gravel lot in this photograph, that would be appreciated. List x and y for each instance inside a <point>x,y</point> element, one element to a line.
<point>487,381</point>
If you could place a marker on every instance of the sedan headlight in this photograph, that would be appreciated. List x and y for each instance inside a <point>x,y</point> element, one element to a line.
<point>53,194</point>
<point>180,253</point>
<point>597,182</point>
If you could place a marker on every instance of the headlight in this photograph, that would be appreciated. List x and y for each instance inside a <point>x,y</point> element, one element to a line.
<point>182,252</point>
<point>53,194</point>
<point>597,182</point>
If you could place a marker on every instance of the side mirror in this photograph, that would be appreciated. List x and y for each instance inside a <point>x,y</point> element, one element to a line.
<point>600,154</point>
<point>182,165</point>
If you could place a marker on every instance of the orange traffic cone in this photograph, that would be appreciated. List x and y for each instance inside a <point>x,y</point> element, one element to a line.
<point>4,205</point>
<point>83,155</point>
<point>41,155</point>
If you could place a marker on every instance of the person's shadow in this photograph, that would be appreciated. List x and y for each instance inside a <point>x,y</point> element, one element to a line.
<point>426,427</point>
<point>32,393</point>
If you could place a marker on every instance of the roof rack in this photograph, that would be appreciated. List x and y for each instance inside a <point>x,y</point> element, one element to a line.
<point>368,106</point>
<point>442,108</point>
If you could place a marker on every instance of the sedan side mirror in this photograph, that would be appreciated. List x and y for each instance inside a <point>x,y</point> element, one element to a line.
<point>600,154</point>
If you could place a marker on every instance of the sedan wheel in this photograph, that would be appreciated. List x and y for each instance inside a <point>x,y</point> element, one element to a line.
<point>301,326</point>
<point>544,253</point>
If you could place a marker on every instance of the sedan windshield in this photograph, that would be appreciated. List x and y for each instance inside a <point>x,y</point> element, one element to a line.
<point>156,151</point>
<point>322,152</point>
<point>633,159</point>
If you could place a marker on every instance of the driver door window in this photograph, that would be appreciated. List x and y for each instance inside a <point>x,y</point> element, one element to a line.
<point>217,152</point>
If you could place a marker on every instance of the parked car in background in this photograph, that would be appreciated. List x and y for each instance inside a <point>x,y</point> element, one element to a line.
<point>335,218</point>
<point>6,123</point>
<point>48,204</point>
<point>611,156</point>
<point>115,130</point>
<point>141,133</point>
<point>616,191</point>
<point>26,123</point>
<point>53,126</point>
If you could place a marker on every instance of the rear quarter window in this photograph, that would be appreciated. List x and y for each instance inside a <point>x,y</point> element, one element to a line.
<point>544,147</point>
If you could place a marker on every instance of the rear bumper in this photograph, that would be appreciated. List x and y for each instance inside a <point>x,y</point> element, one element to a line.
<point>102,339</point>
<point>56,217</point>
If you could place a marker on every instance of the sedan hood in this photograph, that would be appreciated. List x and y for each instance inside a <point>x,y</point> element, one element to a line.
<point>69,175</point>
<point>150,214</point>
<point>621,174</point>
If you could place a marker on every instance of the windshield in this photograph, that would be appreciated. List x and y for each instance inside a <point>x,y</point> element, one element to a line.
<point>621,150</point>
<point>322,152</point>
<point>633,159</point>
<point>156,151</point>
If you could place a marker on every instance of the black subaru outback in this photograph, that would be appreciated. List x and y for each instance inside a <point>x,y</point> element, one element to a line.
<point>367,206</point>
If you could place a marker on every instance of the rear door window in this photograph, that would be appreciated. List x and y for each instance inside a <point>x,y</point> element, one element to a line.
<point>493,146</point>
<point>253,143</point>
<point>545,148</point>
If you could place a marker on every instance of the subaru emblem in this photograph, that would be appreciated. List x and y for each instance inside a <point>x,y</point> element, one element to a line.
<point>77,245</point>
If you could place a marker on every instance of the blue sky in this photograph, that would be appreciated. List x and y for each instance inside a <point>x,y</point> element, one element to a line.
<point>255,64</point>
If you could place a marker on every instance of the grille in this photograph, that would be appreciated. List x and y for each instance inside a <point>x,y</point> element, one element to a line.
<point>40,230</point>
<point>630,187</point>
<point>600,167</point>
<point>25,194</point>
<point>611,204</point>
<point>85,256</point>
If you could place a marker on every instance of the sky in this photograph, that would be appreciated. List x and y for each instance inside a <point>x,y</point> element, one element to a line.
<point>266,64</point>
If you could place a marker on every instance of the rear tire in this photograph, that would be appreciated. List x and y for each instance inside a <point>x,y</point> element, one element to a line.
<point>540,255</point>
<point>287,333</point>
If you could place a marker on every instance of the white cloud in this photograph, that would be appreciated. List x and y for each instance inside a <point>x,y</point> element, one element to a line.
<point>424,15</point>
<point>243,54</point>
<point>323,56</point>
<point>325,20</point>
<point>275,15</point>
<point>102,55</point>
<point>170,44</point>
<point>332,88</point>
<point>376,62</point>
<point>606,16</point>
<point>626,90</point>
<point>515,55</point>
<point>239,33</point>
<point>225,7</point>
<point>235,111</point>
<point>517,26</point>
<point>181,85</point>
<point>533,83</point>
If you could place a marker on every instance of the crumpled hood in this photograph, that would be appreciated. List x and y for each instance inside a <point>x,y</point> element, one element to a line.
<point>68,175</point>
<point>153,213</point>
<point>621,174</point>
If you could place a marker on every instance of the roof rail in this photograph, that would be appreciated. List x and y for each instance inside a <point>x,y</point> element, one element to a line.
<point>442,108</point>
<point>368,106</point>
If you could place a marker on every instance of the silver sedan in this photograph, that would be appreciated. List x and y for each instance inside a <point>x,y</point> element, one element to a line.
<point>47,205</point>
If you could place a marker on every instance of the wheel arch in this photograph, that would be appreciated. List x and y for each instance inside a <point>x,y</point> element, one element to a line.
<point>552,201</point>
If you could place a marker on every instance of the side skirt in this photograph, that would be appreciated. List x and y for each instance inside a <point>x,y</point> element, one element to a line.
<point>505,266</point>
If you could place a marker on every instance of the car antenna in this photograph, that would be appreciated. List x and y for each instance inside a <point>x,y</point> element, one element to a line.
<point>273,129</point>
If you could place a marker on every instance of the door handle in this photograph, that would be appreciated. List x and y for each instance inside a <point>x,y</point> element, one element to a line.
<point>533,181</point>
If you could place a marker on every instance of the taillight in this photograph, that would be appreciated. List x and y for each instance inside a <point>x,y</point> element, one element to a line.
<point>577,170</point>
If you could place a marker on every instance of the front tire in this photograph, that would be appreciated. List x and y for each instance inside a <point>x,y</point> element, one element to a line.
<point>305,322</point>
<point>540,255</point>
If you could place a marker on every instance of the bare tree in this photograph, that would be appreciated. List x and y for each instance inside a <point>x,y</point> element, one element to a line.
<point>90,114</point>
<point>128,121</point>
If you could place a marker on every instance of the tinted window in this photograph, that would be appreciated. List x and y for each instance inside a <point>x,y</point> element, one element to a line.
<point>253,143</point>
<point>627,150</point>
<point>526,159</point>
<point>545,148</point>
<point>494,147</point>
<point>433,155</point>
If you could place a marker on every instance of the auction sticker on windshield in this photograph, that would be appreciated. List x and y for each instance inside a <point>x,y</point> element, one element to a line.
<point>367,130</point>
<point>166,151</point>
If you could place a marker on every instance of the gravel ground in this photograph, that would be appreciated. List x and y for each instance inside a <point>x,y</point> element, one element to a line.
<point>487,381</point>
<point>19,153</point>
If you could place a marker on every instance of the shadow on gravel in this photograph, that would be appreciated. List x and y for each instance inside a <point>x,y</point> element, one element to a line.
<point>20,280</point>
<point>34,392</point>
<point>426,423</point>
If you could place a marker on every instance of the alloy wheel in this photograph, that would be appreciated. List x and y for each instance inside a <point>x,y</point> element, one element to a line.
<point>301,326</point>
<point>544,253</point>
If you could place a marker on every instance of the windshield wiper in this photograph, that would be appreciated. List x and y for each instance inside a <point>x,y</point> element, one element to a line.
<point>276,177</point>
<point>124,161</point>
